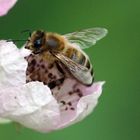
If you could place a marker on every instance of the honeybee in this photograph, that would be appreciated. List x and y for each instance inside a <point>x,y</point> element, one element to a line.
<point>67,50</point>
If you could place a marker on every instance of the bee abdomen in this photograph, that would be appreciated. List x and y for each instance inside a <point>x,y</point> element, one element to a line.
<point>92,74</point>
<point>81,58</point>
<point>84,61</point>
<point>88,65</point>
<point>78,57</point>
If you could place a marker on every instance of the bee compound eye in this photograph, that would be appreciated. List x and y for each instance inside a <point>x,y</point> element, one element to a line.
<point>37,43</point>
<point>52,43</point>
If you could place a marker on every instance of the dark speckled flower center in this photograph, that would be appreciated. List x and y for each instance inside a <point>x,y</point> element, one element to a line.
<point>63,86</point>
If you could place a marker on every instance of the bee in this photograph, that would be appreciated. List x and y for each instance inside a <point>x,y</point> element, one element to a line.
<point>67,50</point>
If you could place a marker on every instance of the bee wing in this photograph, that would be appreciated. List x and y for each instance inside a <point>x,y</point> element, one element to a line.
<point>80,72</point>
<point>87,37</point>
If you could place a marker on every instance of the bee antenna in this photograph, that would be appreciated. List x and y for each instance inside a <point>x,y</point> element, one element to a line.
<point>25,31</point>
<point>16,40</point>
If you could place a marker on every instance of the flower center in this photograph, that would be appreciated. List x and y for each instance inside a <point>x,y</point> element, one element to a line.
<point>62,84</point>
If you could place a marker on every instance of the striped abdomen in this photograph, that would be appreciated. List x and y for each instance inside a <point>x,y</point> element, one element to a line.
<point>79,57</point>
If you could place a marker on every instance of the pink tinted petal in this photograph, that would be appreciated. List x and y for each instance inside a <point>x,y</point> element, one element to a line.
<point>87,103</point>
<point>75,100</point>
<point>12,65</point>
<point>31,105</point>
<point>6,5</point>
<point>84,107</point>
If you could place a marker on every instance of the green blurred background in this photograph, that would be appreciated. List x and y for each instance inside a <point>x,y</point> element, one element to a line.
<point>115,58</point>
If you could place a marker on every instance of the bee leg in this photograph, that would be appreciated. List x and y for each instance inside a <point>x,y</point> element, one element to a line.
<point>59,68</point>
<point>55,83</point>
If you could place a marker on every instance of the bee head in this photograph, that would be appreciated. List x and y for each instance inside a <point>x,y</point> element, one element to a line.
<point>40,41</point>
<point>36,41</point>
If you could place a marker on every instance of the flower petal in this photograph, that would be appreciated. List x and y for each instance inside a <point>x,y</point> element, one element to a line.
<point>84,107</point>
<point>6,5</point>
<point>72,97</point>
<point>12,65</point>
<point>87,103</point>
<point>31,105</point>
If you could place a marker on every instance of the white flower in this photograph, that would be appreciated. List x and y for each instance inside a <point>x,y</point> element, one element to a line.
<point>5,6</point>
<point>33,104</point>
